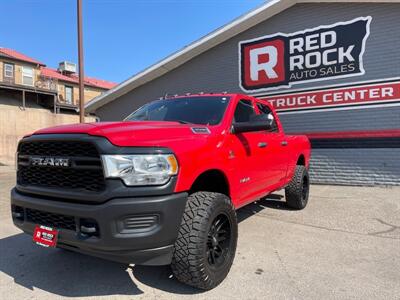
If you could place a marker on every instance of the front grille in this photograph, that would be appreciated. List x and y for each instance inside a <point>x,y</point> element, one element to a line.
<point>50,219</point>
<point>90,180</point>
<point>58,148</point>
<point>84,172</point>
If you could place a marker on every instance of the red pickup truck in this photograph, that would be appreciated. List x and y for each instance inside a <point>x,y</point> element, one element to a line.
<point>162,186</point>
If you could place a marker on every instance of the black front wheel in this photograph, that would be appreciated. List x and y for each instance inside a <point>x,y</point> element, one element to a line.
<point>206,243</point>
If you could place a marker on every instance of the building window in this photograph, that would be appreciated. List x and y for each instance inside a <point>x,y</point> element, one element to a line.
<point>27,76</point>
<point>69,94</point>
<point>8,71</point>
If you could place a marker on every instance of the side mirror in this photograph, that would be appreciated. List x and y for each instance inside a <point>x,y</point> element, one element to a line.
<point>256,123</point>
<point>250,126</point>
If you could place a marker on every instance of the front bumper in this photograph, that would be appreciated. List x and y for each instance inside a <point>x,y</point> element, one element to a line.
<point>122,233</point>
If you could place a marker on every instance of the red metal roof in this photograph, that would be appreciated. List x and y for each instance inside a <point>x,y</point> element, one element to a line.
<point>96,82</point>
<point>100,83</point>
<point>19,56</point>
<point>53,73</point>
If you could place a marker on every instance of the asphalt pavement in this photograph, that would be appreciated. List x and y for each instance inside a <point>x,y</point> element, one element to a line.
<point>344,245</point>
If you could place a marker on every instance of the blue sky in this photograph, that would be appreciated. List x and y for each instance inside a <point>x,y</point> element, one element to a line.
<point>121,37</point>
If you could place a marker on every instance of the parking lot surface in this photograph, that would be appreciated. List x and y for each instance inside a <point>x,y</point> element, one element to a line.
<point>344,245</point>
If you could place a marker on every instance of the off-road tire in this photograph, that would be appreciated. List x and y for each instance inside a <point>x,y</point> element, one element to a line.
<point>190,262</point>
<point>297,190</point>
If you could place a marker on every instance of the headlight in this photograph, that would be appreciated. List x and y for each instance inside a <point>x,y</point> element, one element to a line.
<point>140,169</point>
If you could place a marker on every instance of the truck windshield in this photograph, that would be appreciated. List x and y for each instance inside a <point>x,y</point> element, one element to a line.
<point>207,110</point>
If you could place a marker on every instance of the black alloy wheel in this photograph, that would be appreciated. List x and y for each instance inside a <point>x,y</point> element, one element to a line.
<point>305,189</point>
<point>218,241</point>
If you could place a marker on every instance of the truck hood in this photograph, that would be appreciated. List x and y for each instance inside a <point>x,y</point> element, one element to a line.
<point>138,133</point>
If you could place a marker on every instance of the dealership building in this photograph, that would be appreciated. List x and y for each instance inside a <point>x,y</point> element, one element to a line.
<point>330,68</point>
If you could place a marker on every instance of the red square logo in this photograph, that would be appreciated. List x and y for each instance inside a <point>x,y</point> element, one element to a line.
<point>263,64</point>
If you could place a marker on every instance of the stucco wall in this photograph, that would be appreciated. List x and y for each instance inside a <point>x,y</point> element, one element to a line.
<point>90,92</point>
<point>15,123</point>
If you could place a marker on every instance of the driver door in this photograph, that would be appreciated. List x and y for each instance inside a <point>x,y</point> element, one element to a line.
<point>274,157</point>
<point>245,151</point>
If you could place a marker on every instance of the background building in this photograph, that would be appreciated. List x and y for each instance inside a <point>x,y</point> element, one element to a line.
<point>55,88</point>
<point>34,96</point>
<point>331,68</point>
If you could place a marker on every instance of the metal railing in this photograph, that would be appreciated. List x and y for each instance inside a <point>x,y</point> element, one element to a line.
<point>46,84</point>
<point>40,83</point>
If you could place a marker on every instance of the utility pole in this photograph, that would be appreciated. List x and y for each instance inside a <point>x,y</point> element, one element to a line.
<point>80,63</point>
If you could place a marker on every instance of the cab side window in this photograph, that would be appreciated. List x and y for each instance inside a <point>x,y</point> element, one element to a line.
<point>244,111</point>
<point>265,110</point>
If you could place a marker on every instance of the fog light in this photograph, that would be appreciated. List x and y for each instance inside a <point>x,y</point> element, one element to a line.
<point>17,213</point>
<point>86,229</point>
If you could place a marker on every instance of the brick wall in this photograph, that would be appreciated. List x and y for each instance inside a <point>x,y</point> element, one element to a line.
<point>377,166</point>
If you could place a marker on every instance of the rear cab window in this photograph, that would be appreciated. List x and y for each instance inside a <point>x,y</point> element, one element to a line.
<point>244,111</point>
<point>266,110</point>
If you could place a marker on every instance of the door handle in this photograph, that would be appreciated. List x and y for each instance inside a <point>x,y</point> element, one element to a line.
<point>262,145</point>
<point>284,143</point>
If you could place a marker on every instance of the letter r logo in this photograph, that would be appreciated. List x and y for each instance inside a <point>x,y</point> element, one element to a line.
<point>268,67</point>
<point>262,63</point>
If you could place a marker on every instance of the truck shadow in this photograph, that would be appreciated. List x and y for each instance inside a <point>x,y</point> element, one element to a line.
<point>70,274</point>
<point>273,201</point>
<point>60,272</point>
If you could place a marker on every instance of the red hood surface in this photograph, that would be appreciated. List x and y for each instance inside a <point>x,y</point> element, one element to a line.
<point>144,133</point>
